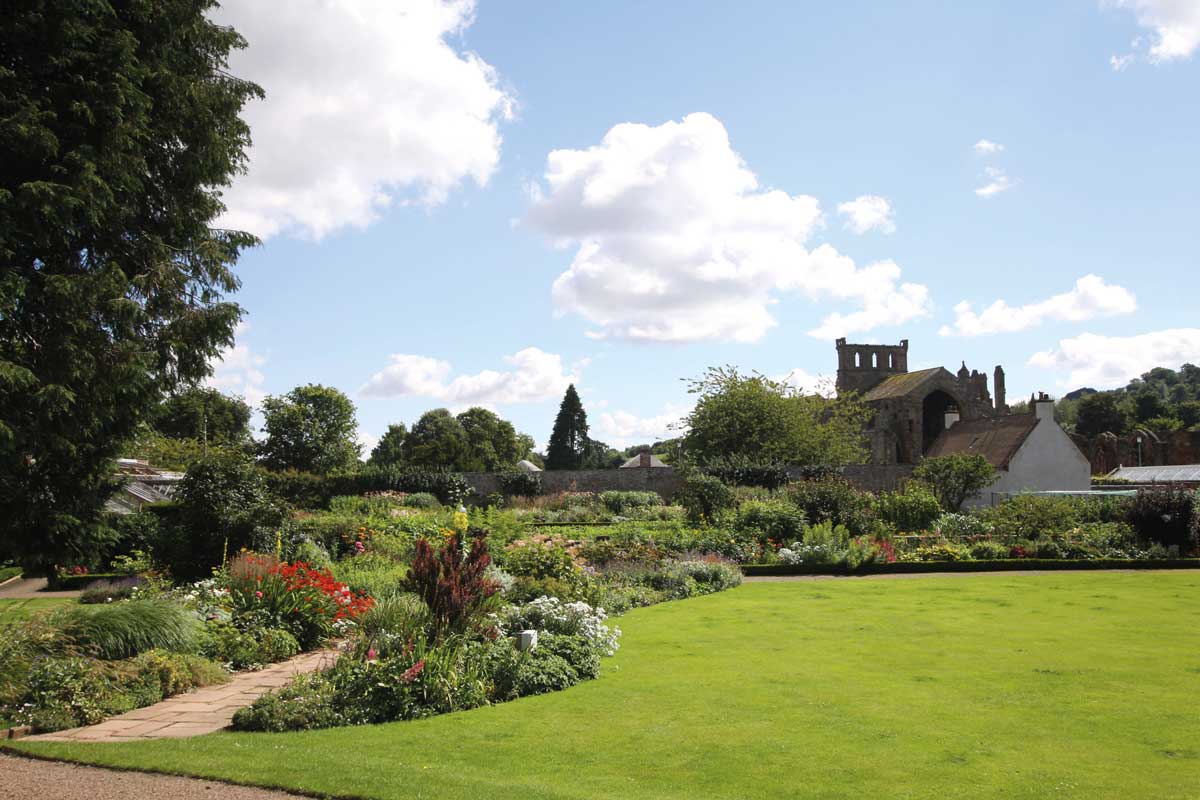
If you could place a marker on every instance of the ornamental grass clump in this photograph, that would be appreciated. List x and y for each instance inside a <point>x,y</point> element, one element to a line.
<point>122,630</point>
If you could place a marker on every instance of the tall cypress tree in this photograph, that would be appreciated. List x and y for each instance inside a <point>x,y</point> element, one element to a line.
<point>569,439</point>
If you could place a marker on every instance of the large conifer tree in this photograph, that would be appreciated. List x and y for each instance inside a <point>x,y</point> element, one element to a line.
<point>569,439</point>
<point>119,123</point>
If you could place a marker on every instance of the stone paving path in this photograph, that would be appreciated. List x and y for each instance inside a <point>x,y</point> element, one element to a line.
<point>198,712</point>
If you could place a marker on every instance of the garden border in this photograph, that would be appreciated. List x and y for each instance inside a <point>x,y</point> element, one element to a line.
<point>1006,565</point>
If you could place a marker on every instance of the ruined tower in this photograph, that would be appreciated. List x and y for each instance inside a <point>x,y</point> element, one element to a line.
<point>861,367</point>
<point>998,388</point>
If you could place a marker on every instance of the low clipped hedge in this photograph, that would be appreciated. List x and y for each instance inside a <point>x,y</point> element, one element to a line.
<point>69,583</point>
<point>1004,565</point>
<point>7,573</point>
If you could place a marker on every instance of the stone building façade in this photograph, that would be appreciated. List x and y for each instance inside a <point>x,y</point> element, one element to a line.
<point>912,408</point>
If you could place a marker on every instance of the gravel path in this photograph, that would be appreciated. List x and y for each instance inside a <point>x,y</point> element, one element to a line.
<point>29,777</point>
<point>28,588</point>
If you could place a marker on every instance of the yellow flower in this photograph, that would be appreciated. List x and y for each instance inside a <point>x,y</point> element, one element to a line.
<point>460,521</point>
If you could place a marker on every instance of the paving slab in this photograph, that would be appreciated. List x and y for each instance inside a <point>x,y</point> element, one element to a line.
<point>198,712</point>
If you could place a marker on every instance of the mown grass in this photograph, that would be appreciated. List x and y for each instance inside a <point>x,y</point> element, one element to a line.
<point>14,610</point>
<point>999,685</point>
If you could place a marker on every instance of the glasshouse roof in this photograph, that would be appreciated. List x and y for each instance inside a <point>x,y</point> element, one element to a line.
<point>1179,473</point>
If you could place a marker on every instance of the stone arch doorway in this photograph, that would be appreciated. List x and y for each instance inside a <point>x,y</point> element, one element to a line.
<point>933,416</point>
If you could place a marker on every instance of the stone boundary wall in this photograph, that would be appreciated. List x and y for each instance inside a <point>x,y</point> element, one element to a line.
<point>666,481</point>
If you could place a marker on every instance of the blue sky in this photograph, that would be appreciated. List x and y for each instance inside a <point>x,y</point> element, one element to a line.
<point>730,183</point>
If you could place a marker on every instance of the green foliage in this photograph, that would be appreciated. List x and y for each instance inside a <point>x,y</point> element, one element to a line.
<point>312,428</point>
<point>371,573</point>
<point>1168,516</point>
<point>448,487</point>
<point>119,127</point>
<point>741,470</point>
<point>492,443</point>
<point>704,497</point>
<point>835,500</point>
<point>569,438</point>
<point>222,502</point>
<point>437,441</point>
<point>956,478</point>
<point>521,484</point>
<point>1032,516</point>
<point>769,421</point>
<point>625,502</point>
<point>547,558</point>
<point>914,508</point>
<point>246,649</point>
<point>389,450</point>
<point>1100,413</point>
<point>161,451</point>
<point>775,519</point>
<point>203,414</point>
<point>121,630</point>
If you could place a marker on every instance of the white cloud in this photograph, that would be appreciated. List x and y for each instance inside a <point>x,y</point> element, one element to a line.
<point>806,383</point>
<point>238,370</point>
<point>535,376</point>
<point>369,104</point>
<point>986,147</point>
<point>868,212</point>
<point>1090,298</point>
<point>366,443</point>
<point>998,182</point>
<point>677,242</point>
<point>1107,361</point>
<point>623,429</point>
<point>1175,28</point>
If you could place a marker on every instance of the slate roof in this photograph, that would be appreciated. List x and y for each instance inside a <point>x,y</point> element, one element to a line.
<point>901,385</point>
<point>995,438</point>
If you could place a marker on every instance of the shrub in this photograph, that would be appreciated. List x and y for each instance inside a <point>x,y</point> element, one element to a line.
<point>371,574</point>
<point>309,703</point>
<point>988,550</point>
<point>456,588</point>
<point>704,497</point>
<point>107,591</point>
<point>542,557</point>
<point>248,649</point>
<point>568,619</point>
<point>121,630</point>
<point>956,478</point>
<point>391,624</point>
<point>301,489</point>
<point>711,575</point>
<point>578,651</point>
<point>1166,516</point>
<point>421,500</point>
<point>833,500</point>
<point>913,508</point>
<point>449,488</point>
<point>962,526</point>
<point>222,501</point>
<point>777,520</point>
<point>742,471</point>
<point>520,484</point>
<point>624,502</point>
<point>1031,516</point>
<point>524,589</point>
<point>516,674</point>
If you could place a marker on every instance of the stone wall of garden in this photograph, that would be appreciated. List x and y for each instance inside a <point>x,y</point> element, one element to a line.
<point>666,481</point>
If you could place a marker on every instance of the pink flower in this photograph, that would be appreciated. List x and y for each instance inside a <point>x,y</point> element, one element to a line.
<point>258,594</point>
<point>371,654</point>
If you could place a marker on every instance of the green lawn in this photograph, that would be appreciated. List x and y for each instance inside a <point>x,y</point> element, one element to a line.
<point>999,685</point>
<point>14,610</point>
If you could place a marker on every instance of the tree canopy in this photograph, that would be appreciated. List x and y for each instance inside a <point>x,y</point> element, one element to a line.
<point>389,450</point>
<point>1162,400</point>
<point>477,440</point>
<point>762,419</point>
<point>568,443</point>
<point>204,414</point>
<point>119,124</point>
<point>311,429</point>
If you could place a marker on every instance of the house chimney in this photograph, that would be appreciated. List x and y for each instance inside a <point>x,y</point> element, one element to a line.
<point>952,416</point>
<point>1043,406</point>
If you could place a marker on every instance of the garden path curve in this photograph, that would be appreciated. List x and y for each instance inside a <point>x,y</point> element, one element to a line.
<point>197,712</point>
<point>28,777</point>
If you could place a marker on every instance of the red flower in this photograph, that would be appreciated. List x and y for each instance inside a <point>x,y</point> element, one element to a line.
<point>412,672</point>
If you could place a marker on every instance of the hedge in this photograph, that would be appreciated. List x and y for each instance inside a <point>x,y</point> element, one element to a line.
<point>68,583</point>
<point>1011,564</point>
<point>9,572</point>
